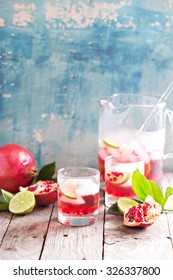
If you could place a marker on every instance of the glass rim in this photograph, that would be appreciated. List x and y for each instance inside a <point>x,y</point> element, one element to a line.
<point>94,171</point>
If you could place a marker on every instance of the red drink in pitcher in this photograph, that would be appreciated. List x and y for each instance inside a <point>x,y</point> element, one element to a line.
<point>134,124</point>
<point>148,145</point>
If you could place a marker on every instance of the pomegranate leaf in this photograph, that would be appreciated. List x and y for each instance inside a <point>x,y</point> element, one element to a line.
<point>46,172</point>
<point>5,198</point>
<point>157,193</point>
<point>113,210</point>
<point>141,185</point>
<point>4,206</point>
<point>2,200</point>
<point>7,195</point>
<point>168,193</point>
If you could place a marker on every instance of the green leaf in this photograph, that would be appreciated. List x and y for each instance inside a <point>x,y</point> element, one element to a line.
<point>7,195</point>
<point>137,200</point>
<point>46,172</point>
<point>168,193</point>
<point>141,185</point>
<point>168,206</point>
<point>4,206</point>
<point>5,198</point>
<point>157,193</point>
<point>2,200</point>
<point>113,210</point>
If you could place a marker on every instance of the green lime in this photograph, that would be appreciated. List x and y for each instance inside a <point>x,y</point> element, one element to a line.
<point>22,203</point>
<point>110,144</point>
<point>68,188</point>
<point>7,195</point>
<point>125,203</point>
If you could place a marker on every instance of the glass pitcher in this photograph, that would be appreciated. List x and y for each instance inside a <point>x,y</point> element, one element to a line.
<point>134,124</point>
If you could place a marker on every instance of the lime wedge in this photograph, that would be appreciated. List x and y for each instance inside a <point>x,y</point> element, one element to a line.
<point>120,180</point>
<point>110,144</point>
<point>68,188</point>
<point>125,203</point>
<point>22,203</point>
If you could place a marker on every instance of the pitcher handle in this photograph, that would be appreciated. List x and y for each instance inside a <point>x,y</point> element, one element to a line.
<point>169,115</point>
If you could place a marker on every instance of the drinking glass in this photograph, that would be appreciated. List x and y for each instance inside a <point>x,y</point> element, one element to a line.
<point>118,176</point>
<point>78,195</point>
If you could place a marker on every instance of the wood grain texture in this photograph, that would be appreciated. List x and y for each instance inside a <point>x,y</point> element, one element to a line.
<point>25,236</point>
<point>80,243</point>
<point>5,219</point>
<point>39,235</point>
<point>154,242</point>
<point>123,243</point>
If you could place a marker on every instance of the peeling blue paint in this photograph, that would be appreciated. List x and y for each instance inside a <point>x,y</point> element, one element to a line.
<point>58,58</point>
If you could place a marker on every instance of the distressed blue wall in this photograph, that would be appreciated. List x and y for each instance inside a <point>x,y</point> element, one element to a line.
<point>58,58</point>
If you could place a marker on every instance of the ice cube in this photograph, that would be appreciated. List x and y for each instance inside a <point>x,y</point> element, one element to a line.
<point>113,151</point>
<point>126,148</point>
<point>103,153</point>
<point>140,151</point>
<point>156,155</point>
<point>153,140</point>
<point>86,187</point>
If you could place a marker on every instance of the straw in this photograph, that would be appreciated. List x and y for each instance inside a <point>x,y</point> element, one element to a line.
<point>163,97</point>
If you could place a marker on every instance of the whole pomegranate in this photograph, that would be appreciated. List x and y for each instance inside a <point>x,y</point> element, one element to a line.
<point>18,167</point>
<point>142,215</point>
<point>45,192</point>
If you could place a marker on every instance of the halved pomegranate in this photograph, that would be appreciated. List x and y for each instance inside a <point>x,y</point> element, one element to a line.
<point>45,192</point>
<point>142,215</point>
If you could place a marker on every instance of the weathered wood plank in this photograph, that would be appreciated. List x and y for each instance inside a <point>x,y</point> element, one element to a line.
<point>5,218</point>
<point>154,242</point>
<point>33,237</point>
<point>70,243</point>
<point>25,236</point>
<point>123,243</point>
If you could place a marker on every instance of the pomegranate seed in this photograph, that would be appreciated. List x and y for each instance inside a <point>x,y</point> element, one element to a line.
<point>32,189</point>
<point>117,174</point>
<point>49,182</point>
<point>47,188</point>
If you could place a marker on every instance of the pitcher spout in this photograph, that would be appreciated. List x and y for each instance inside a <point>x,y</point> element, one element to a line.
<point>104,104</point>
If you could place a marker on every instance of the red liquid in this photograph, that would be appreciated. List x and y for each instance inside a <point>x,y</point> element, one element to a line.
<point>153,169</point>
<point>68,206</point>
<point>118,190</point>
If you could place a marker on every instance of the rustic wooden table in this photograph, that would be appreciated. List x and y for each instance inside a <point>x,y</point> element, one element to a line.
<point>39,236</point>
